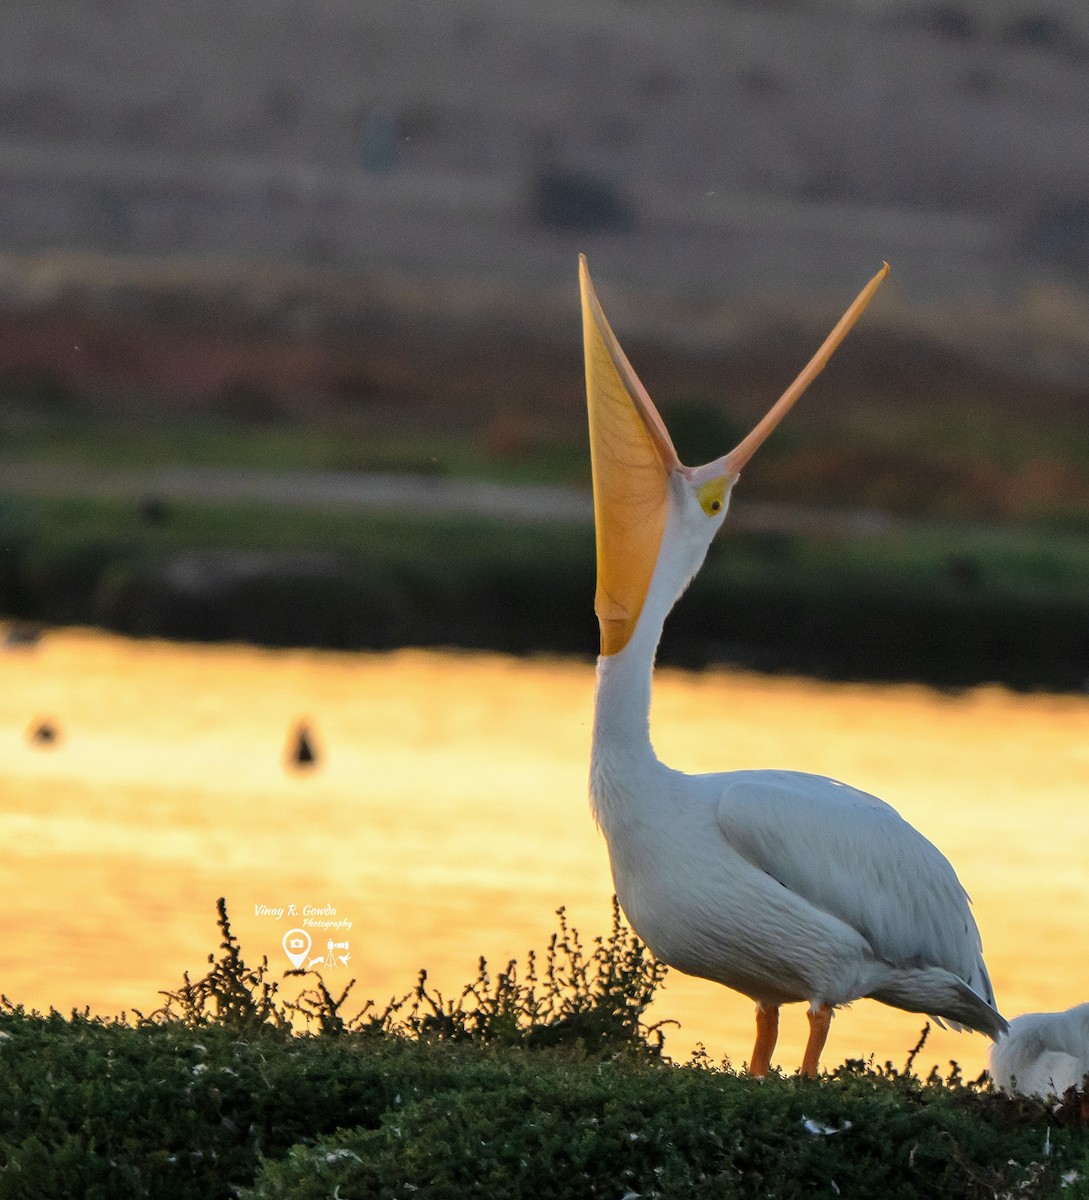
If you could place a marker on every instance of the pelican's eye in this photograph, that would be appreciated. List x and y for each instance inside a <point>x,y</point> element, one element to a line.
<point>712,496</point>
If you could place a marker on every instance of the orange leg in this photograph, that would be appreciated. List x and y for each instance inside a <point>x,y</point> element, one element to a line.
<point>767,1031</point>
<point>820,1021</point>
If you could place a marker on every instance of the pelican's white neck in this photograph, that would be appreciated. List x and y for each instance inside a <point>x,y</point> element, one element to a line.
<point>622,698</point>
<point>622,747</point>
<point>621,753</point>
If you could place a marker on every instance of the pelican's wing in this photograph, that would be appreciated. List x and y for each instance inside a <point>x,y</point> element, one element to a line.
<point>851,855</point>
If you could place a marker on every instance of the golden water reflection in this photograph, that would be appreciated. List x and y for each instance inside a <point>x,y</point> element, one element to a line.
<point>448,817</point>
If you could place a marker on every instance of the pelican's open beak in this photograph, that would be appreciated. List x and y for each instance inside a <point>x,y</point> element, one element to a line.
<point>632,458</point>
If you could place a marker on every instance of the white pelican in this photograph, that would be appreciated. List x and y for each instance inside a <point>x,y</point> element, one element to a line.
<point>1044,1054</point>
<point>783,886</point>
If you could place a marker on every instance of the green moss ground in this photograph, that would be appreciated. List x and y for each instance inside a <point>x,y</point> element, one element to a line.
<point>539,1081</point>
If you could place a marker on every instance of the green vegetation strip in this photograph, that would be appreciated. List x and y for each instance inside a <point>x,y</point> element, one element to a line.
<point>946,604</point>
<point>542,1081</point>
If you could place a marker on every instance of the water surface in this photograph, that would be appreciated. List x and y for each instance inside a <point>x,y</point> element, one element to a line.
<point>447,818</point>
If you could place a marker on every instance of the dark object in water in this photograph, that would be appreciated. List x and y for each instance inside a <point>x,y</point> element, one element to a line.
<point>43,733</point>
<point>302,751</point>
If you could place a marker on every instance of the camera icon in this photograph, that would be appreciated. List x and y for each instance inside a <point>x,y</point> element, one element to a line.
<point>297,944</point>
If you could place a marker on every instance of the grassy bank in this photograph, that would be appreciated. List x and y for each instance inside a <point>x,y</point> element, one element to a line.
<point>949,604</point>
<point>974,568</point>
<point>539,1081</point>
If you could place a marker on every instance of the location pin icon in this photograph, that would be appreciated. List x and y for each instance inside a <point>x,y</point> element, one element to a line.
<point>297,946</point>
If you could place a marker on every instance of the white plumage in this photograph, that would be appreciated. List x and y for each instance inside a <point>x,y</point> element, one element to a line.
<point>1044,1054</point>
<point>781,885</point>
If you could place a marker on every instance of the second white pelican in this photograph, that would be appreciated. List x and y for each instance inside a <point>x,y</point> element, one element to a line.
<point>783,886</point>
<point>1044,1054</point>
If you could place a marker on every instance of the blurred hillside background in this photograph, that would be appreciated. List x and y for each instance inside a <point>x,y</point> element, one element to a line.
<point>288,318</point>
